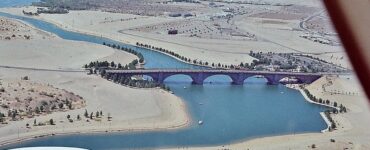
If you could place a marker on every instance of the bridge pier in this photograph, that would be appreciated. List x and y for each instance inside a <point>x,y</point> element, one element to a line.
<point>274,79</point>
<point>157,77</point>
<point>238,79</point>
<point>197,78</point>
<point>273,82</point>
<point>307,79</point>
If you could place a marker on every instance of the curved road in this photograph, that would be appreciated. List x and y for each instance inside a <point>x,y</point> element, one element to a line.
<point>301,23</point>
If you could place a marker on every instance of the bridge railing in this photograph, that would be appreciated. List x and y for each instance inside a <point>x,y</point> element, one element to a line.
<point>143,71</point>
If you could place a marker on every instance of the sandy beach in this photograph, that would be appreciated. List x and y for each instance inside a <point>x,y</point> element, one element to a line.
<point>130,109</point>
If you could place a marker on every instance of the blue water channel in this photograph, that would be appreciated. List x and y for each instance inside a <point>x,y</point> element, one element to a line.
<point>11,3</point>
<point>230,113</point>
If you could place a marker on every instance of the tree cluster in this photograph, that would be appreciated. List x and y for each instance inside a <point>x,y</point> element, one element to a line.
<point>129,50</point>
<point>183,58</point>
<point>342,109</point>
<point>92,115</point>
<point>2,117</point>
<point>128,81</point>
<point>188,60</point>
<point>333,125</point>
<point>103,65</point>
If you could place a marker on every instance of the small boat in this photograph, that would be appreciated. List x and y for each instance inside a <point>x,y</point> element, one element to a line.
<point>282,92</point>
<point>184,87</point>
<point>200,103</point>
<point>200,122</point>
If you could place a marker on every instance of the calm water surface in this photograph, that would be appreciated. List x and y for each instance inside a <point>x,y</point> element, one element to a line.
<point>230,113</point>
<point>11,3</point>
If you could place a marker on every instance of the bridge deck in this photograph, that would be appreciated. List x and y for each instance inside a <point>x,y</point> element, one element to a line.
<point>141,71</point>
<point>237,76</point>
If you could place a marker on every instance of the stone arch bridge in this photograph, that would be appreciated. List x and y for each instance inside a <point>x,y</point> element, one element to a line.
<point>237,76</point>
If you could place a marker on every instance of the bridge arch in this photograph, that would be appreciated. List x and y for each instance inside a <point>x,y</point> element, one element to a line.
<point>271,79</point>
<point>218,78</point>
<point>274,79</point>
<point>254,77</point>
<point>178,77</point>
<point>198,76</point>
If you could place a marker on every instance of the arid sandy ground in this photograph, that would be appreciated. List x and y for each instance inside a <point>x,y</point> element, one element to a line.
<point>29,98</point>
<point>209,50</point>
<point>40,50</point>
<point>130,109</point>
<point>210,36</point>
<point>276,28</point>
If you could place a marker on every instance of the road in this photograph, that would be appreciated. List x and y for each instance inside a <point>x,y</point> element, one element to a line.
<point>301,23</point>
<point>42,69</point>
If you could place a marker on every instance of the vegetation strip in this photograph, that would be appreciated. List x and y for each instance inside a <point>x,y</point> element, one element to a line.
<point>100,68</point>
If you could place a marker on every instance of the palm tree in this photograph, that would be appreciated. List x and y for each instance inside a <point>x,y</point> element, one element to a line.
<point>51,121</point>
<point>112,64</point>
<point>1,118</point>
<point>86,114</point>
<point>97,114</point>
<point>37,110</point>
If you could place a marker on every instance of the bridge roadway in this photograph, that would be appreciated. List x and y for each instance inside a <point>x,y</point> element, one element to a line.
<point>237,76</point>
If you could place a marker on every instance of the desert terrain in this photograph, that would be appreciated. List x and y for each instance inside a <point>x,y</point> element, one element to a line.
<point>53,66</point>
<point>216,32</point>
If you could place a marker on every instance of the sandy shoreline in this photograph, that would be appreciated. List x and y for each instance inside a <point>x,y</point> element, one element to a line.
<point>155,109</point>
<point>96,131</point>
<point>216,52</point>
<point>295,141</point>
<point>190,52</point>
<point>328,123</point>
<point>351,129</point>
